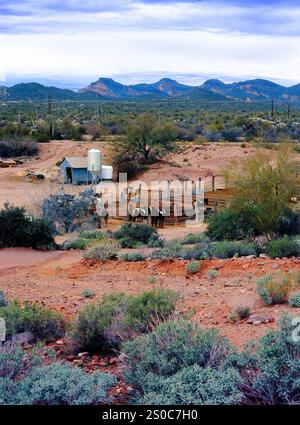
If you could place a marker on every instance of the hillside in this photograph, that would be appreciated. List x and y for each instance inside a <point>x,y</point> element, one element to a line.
<point>166,88</point>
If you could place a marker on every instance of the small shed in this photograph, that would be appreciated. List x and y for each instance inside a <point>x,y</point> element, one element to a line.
<point>75,171</point>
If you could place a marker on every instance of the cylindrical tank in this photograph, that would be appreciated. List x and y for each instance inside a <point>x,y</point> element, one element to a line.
<point>107,172</point>
<point>94,160</point>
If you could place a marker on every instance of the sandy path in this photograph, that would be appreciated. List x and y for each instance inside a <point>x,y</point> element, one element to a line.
<point>16,258</point>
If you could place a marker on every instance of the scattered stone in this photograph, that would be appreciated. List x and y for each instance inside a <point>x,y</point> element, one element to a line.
<point>83,354</point>
<point>59,342</point>
<point>258,319</point>
<point>263,256</point>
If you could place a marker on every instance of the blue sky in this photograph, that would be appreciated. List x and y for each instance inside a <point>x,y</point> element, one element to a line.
<point>141,40</point>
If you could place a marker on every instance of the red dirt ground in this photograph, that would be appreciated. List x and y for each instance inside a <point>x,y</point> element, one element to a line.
<point>57,280</point>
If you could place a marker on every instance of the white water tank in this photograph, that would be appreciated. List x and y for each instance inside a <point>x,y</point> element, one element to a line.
<point>94,160</point>
<point>107,172</point>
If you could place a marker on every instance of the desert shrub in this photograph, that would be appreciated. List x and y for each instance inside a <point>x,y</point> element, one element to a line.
<point>103,250</point>
<point>91,234</point>
<point>229,224</point>
<point>193,238</point>
<point>288,223</point>
<point>62,384</point>
<point>133,233</point>
<point>193,267</point>
<point>229,249</point>
<point>174,249</point>
<point>194,385</point>
<point>88,293</point>
<point>274,288</point>
<point>92,328</point>
<point>17,229</point>
<point>24,380</point>
<point>212,273</point>
<point>294,300</point>
<point>3,299</point>
<point>243,311</point>
<point>155,242</point>
<point>278,368</point>
<point>17,148</point>
<point>78,243</point>
<point>119,316</point>
<point>42,322</point>
<point>283,247</point>
<point>197,252</point>
<point>149,308</point>
<point>133,256</point>
<point>173,346</point>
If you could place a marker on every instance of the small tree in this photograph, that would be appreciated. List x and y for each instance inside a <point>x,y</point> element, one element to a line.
<point>265,182</point>
<point>144,141</point>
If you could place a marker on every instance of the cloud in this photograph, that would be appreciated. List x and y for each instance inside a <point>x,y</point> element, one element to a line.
<point>97,37</point>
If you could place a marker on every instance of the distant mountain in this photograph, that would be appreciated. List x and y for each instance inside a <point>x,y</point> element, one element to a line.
<point>35,91</point>
<point>253,89</point>
<point>108,89</point>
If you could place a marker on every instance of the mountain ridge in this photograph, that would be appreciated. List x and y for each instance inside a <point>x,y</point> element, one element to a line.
<point>165,88</point>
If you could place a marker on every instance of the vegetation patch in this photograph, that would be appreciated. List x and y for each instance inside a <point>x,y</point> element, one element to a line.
<point>42,322</point>
<point>274,288</point>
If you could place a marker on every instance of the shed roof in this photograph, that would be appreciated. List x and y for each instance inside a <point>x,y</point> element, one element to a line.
<point>77,162</point>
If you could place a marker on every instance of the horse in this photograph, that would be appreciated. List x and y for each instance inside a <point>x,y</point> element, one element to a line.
<point>138,212</point>
<point>157,216</point>
<point>101,209</point>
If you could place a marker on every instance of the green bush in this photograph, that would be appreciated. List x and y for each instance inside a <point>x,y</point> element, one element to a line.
<point>42,322</point>
<point>88,293</point>
<point>294,300</point>
<point>193,238</point>
<point>283,247</point>
<point>17,229</point>
<point>149,308</point>
<point>3,299</point>
<point>243,311</point>
<point>233,249</point>
<point>23,380</point>
<point>130,234</point>
<point>274,288</point>
<point>173,346</point>
<point>62,384</point>
<point>173,249</point>
<point>229,224</point>
<point>195,385</point>
<point>91,234</point>
<point>119,316</point>
<point>212,273</point>
<point>133,256</point>
<point>277,369</point>
<point>103,250</point>
<point>77,243</point>
<point>193,267</point>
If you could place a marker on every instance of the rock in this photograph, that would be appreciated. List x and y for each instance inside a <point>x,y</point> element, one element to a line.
<point>22,338</point>
<point>83,354</point>
<point>263,256</point>
<point>275,266</point>
<point>258,319</point>
<point>59,342</point>
<point>250,256</point>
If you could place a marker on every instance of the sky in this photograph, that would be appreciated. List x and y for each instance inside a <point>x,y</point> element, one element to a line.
<point>73,42</point>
